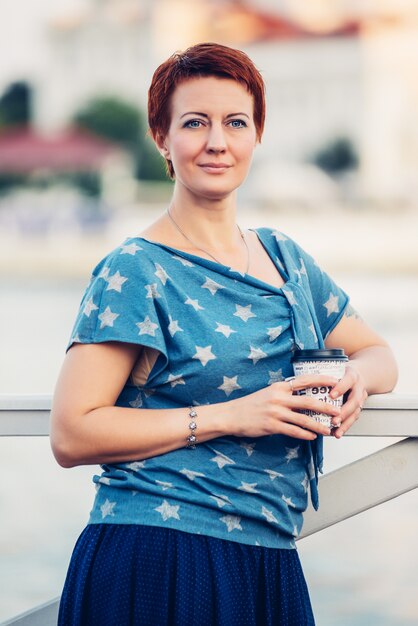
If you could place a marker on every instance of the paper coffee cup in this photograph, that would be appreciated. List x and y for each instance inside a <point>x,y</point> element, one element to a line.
<point>324,362</point>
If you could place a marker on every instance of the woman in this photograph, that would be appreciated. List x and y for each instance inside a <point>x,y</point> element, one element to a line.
<point>174,381</point>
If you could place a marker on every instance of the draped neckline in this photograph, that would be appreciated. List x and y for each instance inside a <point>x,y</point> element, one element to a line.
<point>226,270</point>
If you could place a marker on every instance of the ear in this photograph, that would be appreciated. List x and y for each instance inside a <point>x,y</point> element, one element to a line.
<point>162,147</point>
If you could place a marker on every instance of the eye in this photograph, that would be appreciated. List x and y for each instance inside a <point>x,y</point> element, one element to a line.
<point>192,124</point>
<point>237,123</point>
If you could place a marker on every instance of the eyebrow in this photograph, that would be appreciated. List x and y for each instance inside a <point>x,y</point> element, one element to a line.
<point>207,116</point>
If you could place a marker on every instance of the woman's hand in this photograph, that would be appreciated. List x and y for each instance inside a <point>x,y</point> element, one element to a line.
<point>276,410</point>
<point>353,385</point>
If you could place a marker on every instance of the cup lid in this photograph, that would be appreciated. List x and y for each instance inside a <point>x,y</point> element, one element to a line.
<point>336,354</point>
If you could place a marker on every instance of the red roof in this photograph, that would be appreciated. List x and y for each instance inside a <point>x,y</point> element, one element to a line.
<point>22,150</point>
<point>263,25</point>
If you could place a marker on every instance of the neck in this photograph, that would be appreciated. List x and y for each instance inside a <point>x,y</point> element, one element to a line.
<point>212,223</point>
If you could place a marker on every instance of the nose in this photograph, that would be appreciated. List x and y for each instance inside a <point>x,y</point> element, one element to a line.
<point>216,141</point>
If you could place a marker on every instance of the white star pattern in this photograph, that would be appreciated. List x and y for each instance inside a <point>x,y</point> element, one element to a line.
<point>311,469</point>
<point>212,286</point>
<point>175,379</point>
<point>280,264</point>
<point>331,305</point>
<point>89,307</point>
<point>204,354</point>
<point>167,510</point>
<point>278,235</point>
<point>147,327</point>
<point>221,460</point>
<point>161,273</point>
<point>152,291</point>
<point>191,475</point>
<point>135,465</point>
<point>195,304</point>
<point>269,515</point>
<point>224,329</point>
<point>312,329</point>
<point>256,354</point>
<point>107,509</point>
<point>107,317</point>
<point>184,262</point>
<point>248,487</point>
<point>167,289</point>
<point>164,485</point>
<point>221,500</point>
<point>302,271</point>
<point>244,312</point>
<point>305,483</point>
<point>290,297</point>
<point>291,453</point>
<point>104,273</point>
<point>275,376</point>
<point>229,385</point>
<point>232,522</point>
<point>273,475</point>
<point>274,332</point>
<point>137,402</point>
<point>248,447</point>
<point>289,502</point>
<point>173,326</point>
<point>131,248</point>
<point>115,282</point>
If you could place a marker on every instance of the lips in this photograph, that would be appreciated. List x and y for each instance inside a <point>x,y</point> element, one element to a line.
<point>214,168</point>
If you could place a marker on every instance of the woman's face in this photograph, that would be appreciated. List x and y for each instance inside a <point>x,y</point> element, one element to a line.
<point>212,136</point>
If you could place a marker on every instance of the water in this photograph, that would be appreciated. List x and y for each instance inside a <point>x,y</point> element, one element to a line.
<point>362,571</point>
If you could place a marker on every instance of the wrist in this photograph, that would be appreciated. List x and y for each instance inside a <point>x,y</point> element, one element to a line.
<point>219,417</point>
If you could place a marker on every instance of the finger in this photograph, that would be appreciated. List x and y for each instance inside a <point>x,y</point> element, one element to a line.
<point>308,403</point>
<point>354,403</point>
<point>303,382</point>
<point>292,430</point>
<point>309,423</point>
<point>346,424</point>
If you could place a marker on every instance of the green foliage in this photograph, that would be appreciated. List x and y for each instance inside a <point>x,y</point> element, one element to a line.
<point>9,181</point>
<point>15,105</point>
<point>88,183</point>
<point>150,165</point>
<point>123,123</point>
<point>112,119</point>
<point>337,156</point>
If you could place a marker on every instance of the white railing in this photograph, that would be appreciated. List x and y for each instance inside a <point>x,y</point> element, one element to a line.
<point>377,478</point>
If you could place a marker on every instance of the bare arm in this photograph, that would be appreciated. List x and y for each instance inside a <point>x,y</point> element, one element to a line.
<point>372,366</point>
<point>86,427</point>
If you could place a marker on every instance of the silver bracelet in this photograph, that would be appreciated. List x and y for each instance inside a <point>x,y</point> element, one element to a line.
<point>192,439</point>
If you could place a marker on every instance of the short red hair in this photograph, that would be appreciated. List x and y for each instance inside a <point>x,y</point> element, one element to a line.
<point>204,59</point>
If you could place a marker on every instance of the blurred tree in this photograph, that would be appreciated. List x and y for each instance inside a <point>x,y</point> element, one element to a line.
<point>15,105</point>
<point>112,119</point>
<point>150,165</point>
<point>124,124</point>
<point>336,157</point>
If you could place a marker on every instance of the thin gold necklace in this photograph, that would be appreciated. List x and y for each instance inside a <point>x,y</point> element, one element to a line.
<point>205,251</point>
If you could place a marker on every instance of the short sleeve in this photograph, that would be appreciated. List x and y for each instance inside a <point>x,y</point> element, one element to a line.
<point>328,299</point>
<point>123,302</point>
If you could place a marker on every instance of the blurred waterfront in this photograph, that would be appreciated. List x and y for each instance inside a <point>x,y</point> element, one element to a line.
<point>336,170</point>
<point>360,572</point>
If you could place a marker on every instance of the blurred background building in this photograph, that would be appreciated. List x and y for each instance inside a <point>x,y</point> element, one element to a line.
<point>337,170</point>
<point>341,85</point>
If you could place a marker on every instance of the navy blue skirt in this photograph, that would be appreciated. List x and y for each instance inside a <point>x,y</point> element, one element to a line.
<point>132,575</point>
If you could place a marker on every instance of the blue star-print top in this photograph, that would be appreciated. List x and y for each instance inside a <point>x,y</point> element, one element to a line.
<point>219,335</point>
